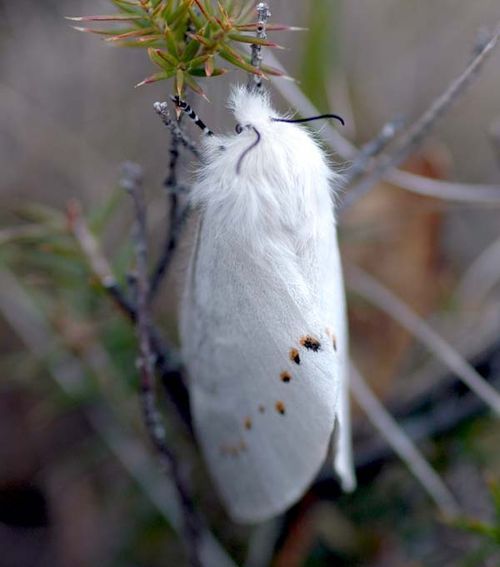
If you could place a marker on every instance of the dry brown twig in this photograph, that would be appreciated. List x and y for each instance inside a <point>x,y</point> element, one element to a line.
<point>132,182</point>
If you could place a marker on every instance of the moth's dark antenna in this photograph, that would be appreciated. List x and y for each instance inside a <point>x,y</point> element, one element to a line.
<point>249,149</point>
<point>184,106</point>
<point>300,120</point>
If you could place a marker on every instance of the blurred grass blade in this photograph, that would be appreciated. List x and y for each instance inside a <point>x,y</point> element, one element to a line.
<point>482,275</point>
<point>111,18</point>
<point>447,190</point>
<point>320,51</point>
<point>402,445</point>
<point>377,294</point>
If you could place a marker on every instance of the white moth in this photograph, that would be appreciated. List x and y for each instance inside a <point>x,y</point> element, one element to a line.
<point>263,321</point>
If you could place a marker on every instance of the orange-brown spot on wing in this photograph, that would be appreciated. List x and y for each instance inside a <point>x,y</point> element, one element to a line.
<point>280,407</point>
<point>248,423</point>
<point>294,355</point>
<point>232,449</point>
<point>226,450</point>
<point>285,376</point>
<point>310,343</point>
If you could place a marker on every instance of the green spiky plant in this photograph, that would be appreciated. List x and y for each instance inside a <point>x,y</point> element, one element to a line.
<point>186,39</point>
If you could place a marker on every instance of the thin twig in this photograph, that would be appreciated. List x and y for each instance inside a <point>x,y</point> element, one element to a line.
<point>263,16</point>
<point>345,149</point>
<point>26,320</point>
<point>98,263</point>
<point>172,232</point>
<point>408,143</point>
<point>434,412</point>
<point>482,275</point>
<point>163,112</point>
<point>372,149</point>
<point>165,358</point>
<point>176,221</point>
<point>402,444</point>
<point>447,190</point>
<point>377,294</point>
<point>152,416</point>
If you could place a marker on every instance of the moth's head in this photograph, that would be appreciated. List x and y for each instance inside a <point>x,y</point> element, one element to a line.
<point>255,128</point>
<point>256,124</point>
<point>264,140</point>
<point>251,108</point>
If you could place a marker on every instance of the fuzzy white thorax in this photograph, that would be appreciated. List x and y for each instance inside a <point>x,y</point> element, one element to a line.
<point>284,183</point>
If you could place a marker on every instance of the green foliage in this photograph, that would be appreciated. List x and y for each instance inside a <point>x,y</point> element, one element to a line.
<point>320,51</point>
<point>185,38</point>
<point>487,532</point>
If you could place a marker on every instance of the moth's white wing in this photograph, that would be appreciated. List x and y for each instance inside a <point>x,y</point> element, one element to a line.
<point>264,405</point>
<point>263,318</point>
<point>342,440</point>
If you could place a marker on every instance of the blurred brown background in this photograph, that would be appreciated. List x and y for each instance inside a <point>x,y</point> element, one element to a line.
<point>70,116</point>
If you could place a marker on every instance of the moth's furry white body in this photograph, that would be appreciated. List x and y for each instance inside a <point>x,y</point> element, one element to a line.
<point>265,276</point>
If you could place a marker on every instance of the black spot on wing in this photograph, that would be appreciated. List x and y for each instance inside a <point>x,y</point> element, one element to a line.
<point>294,355</point>
<point>310,343</point>
<point>285,376</point>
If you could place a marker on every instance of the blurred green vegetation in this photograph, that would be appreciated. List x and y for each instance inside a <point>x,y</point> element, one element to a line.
<point>99,514</point>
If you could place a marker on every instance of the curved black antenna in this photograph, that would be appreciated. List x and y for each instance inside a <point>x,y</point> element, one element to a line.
<point>253,145</point>
<point>300,120</point>
<point>184,106</point>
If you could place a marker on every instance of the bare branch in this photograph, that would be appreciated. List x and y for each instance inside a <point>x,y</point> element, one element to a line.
<point>482,275</point>
<point>152,416</point>
<point>263,15</point>
<point>164,355</point>
<point>409,181</point>
<point>163,112</point>
<point>413,137</point>
<point>377,294</point>
<point>372,149</point>
<point>402,445</point>
<point>98,263</point>
<point>29,324</point>
<point>177,220</point>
